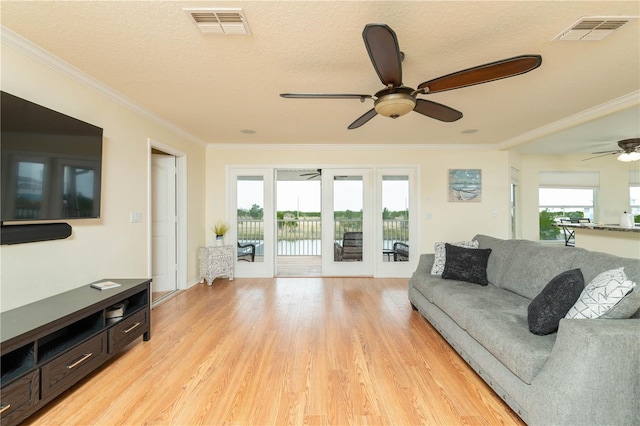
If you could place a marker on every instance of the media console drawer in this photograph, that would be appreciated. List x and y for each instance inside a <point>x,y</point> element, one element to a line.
<point>127,330</point>
<point>72,366</point>
<point>19,396</point>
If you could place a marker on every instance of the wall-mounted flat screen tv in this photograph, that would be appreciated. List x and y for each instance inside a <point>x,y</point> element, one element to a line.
<point>51,164</point>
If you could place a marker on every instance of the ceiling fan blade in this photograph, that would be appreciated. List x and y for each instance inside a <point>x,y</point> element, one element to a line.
<point>382,45</point>
<point>611,151</point>
<point>483,73</point>
<point>363,119</point>
<point>437,111</point>
<point>602,155</point>
<point>325,96</point>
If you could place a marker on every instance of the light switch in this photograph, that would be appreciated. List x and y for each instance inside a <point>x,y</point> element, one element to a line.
<point>136,217</point>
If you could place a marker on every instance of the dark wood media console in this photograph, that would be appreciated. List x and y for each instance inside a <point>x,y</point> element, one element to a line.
<point>49,345</point>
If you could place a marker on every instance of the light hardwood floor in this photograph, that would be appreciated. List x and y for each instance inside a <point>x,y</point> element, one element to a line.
<point>284,351</point>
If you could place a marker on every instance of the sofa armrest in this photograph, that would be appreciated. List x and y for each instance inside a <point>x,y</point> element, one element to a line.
<point>425,263</point>
<point>592,375</point>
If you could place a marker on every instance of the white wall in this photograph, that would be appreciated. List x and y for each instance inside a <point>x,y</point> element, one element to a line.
<point>109,247</point>
<point>440,220</point>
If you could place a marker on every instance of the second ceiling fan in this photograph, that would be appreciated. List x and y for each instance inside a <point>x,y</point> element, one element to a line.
<point>396,100</point>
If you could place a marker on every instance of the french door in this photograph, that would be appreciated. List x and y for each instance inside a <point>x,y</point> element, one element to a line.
<point>368,220</point>
<point>347,237</point>
<point>252,221</point>
<point>396,224</point>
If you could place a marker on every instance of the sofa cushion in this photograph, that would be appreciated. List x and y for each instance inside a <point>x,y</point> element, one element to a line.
<point>602,294</point>
<point>425,283</point>
<point>460,300</point>
<point>497,319</point>
<point>505,334</point>
<point>501,253</point>
<point>626,307</point>
<point>554,301</point>
<point>441,256</point>
<point>466,264</point>
<point>533,265</point>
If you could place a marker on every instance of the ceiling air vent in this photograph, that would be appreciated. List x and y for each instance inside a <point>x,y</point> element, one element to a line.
<point>593,28</point>
<point>220,21</point>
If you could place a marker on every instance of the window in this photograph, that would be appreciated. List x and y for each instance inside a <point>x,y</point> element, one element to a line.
<point>565,195</point>
<point>556,203</point>
<point>634,194</point>
<point>634,201</point>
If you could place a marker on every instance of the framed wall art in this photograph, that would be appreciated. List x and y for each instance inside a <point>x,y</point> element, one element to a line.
<point>465,185</point>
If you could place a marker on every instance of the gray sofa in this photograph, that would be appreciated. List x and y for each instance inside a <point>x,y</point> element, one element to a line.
<point>588,373</point>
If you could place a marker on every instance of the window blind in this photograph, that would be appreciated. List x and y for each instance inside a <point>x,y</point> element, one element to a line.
<point>569,179</point>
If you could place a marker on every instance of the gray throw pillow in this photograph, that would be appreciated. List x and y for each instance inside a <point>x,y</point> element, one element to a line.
<point>554,301</point>
<point>466,264</point>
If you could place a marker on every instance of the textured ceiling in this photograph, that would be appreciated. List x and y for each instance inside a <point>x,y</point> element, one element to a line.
<point>215,86</point>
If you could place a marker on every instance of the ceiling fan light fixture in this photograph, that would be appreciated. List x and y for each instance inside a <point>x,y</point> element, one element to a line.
<point>395,105</point>
<point>627,157</point>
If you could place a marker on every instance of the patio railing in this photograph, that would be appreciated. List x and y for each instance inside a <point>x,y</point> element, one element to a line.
<point>302,237</point>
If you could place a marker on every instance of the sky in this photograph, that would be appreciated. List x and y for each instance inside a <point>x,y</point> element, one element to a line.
<point>305,195</point>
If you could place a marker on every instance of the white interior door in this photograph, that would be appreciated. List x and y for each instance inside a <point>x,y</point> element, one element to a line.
<point>346,207</point>
<point>163,228</point>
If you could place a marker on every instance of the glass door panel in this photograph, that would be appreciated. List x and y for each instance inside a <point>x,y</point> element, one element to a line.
<point>347,218</point>
<point>346,229</point>
<point>396,223</point>
<point>395,218</point>
<point>251,219</point>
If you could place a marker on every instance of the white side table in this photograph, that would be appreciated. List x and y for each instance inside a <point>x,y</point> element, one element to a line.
<point>216,262</point>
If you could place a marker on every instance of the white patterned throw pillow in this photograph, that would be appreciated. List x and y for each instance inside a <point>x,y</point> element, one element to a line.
<point>601,295</point>
<point>441,254</point>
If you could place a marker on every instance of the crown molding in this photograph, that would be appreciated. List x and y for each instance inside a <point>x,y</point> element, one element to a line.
<point>623,102</point>
<point>38,54</point>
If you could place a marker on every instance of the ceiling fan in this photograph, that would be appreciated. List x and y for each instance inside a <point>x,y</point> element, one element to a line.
<point>312,175</point>
<point>629,151</point>
<point>396,100</point>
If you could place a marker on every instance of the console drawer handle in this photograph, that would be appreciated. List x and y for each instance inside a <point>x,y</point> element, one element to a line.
<point>4,408</point>
<point>80,360</point>
<point>136,325</point>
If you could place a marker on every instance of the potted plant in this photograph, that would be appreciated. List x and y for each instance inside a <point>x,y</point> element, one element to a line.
<point>220,229</point>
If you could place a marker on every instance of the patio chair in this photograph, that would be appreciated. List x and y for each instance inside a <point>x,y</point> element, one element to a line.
<point>351,248</point>
<point>400,252</point>
<point>247,252</point>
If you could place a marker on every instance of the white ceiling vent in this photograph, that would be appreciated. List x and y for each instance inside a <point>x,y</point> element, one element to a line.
<point>593,28</point>
<point>229,21</point>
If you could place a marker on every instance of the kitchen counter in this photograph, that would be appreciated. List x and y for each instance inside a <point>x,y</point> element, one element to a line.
<point>601,227</point>
<point>613,239</point>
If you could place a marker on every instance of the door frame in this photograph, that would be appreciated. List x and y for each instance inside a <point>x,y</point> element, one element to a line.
<point>181,211</point>
<point>344,269</point>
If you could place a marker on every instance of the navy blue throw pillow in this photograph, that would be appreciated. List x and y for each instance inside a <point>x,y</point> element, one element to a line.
<point>554,301</point>
<point>466,264</point>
